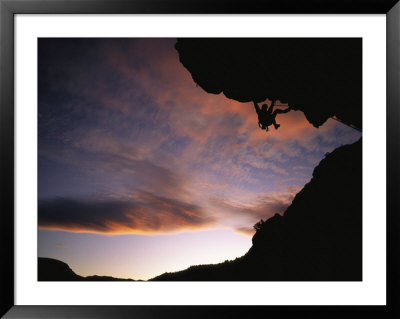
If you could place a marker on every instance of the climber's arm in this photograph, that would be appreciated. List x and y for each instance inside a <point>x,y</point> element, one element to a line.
<point>258,110</point>
<point>279,111</point>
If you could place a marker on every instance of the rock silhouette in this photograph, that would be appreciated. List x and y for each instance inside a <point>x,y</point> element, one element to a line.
<point>321,77</point>
<point>50,269</point>
<point>318,238</point>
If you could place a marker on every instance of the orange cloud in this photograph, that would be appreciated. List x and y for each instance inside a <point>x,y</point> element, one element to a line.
<point>249,210</point>
<point>246,231</point>
<point>147,214</point>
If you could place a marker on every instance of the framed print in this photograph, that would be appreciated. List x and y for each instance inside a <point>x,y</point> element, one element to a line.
<point>189,160</point>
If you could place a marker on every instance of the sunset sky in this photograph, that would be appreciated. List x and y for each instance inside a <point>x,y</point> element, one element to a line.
<point>142,172</point>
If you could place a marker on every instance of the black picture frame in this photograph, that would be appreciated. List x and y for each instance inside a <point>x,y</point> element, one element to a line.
<point>9,8</point>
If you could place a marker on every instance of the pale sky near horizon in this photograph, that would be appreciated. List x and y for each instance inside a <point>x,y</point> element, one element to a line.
<point>142,172</point>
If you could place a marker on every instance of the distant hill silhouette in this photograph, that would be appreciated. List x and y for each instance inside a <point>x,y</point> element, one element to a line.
<point>319,236</point>
<point>320,76</point>
<point>55,270</point>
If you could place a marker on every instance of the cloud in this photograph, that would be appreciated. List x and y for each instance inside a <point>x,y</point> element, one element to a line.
<point>245,231</point>
<point>61,246</point>
<point>144,214</point>
<point>115,166</point>
<point>239,215</point>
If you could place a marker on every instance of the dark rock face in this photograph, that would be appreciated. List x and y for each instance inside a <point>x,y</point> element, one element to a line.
<point>50,269</point>
<point>321,77</point>
<point>319,237</point>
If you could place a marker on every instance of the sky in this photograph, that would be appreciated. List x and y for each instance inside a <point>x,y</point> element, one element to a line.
<point>141,172</point>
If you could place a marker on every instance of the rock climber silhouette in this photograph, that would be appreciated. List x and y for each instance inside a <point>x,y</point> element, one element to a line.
<point>267,115</point>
